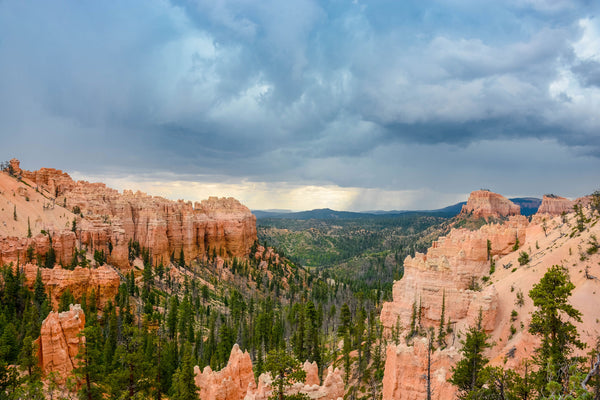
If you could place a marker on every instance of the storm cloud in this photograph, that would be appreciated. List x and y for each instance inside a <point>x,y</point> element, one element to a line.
<point>378,97</point>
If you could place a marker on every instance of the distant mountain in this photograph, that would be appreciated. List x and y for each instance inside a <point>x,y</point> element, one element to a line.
<point>529,206</point>
<point>270,213</point>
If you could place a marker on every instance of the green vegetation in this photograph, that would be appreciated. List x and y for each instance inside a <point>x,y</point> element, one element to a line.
<point>365,252</point>
<point>523,258</point>
<point>558,375</point>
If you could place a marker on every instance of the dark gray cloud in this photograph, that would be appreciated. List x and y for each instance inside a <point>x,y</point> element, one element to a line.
<point>588,72</point>
<point>299,91</point>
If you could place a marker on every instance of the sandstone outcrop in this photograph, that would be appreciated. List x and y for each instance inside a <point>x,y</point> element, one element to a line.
<point>231,383</point>
<point>333,387</point>
<point>449,276</point>
<point>555,205</point>
<point>59,341</point>
<point>103,282</point>
<point>452,265</point>
<point>107,220</point>
<point>485,204</point>
<point>15,167</point>
<point>406,369</point>
<point>236,381</point>
<point>14,249</point>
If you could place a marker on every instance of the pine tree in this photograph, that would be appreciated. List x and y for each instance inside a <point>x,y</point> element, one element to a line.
<point>88,367</point>
<point>551,322</point>
<point>39,293</point>
<point>184,387</point>
<point>285,370</point>
<point>441,332</point>
<point>28,228</point>
<point>466,373</point>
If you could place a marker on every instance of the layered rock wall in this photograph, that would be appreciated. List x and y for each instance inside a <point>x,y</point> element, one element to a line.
<point>555,205</point>
<point>449,276</point>
<point>107,220</point>
<point>485,204</point>
<point>102,283</point>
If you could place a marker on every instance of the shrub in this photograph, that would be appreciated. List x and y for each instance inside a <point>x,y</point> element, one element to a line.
<point>523,258</point>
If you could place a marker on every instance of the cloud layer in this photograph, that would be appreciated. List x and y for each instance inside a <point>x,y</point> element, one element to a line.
<point>398,97</point>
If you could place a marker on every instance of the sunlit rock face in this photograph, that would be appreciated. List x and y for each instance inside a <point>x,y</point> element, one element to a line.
<point>102,283</point>
<point>485,204</point>
<point>555,205</point>
<point>107,221</point>
<point>236,381</point>
<point>60,340</point>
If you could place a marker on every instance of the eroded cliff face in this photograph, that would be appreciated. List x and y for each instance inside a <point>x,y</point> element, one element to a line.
<point>452,267</point>
<point>407,382</point>
<point>102,283</point>
<point>111,219</point>
<point>236,381</point>
<point>555,205</point>
<point>485,204</point>
<point>59,341</point>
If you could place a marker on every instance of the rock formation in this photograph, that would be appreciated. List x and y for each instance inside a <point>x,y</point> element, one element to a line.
<point>15,248</point>
<point>555,205</point>
<point>406,369</point>
<point>333,387</point>
<point>102,282</point>
<point>59,341</point>
<point>485,204</point>
<point>107,220</point>
<point>236,381</point>
<point>231,383</point>
<point>452,265</point>
<point>444,275</point>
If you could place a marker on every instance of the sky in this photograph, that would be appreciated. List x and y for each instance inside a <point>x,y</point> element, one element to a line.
<point>300,104</point>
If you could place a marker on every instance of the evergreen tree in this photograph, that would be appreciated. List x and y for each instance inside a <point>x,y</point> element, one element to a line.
<point>89,369</point>
<point>466,373</point>
<point>184,387</point>
<point>551,322</point>
<point>39,293</point>
<point>28,356</point>
<point>285,370</point>
<point>441,332</point>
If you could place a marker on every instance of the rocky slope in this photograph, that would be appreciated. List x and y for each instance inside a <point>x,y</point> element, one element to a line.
<point>107,220</point>
<point>451,271</point>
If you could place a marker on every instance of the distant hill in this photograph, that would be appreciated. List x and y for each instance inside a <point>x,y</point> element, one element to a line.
<point>529,206</point>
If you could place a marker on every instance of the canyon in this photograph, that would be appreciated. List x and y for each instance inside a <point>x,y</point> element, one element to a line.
<point>474,271</point>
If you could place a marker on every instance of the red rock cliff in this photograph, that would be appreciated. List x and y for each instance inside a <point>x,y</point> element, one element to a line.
<point>483,203</point>
<point>444,275</point>
<point>555,205</point>
<point>236,381</point>
<point>111,219</point>
<point>59,341</point>
<point>103,282</point>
